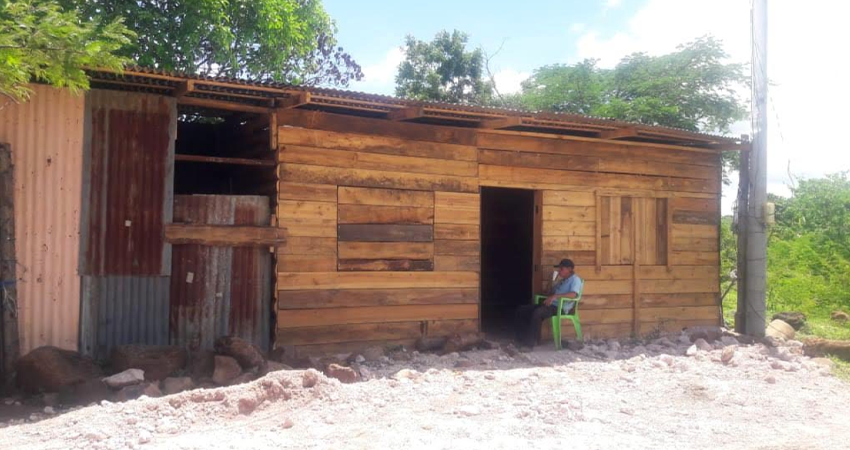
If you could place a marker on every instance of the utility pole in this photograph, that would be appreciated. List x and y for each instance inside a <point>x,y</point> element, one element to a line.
<point>755,218</point>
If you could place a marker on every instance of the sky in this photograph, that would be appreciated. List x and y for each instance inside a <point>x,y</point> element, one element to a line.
<point>806,66</point>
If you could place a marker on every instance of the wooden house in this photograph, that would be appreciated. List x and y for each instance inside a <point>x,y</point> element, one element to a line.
<point>393,219</point>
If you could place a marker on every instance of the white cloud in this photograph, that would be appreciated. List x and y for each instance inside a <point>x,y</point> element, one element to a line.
<point>508,81</point>
<point>611,4</point>
<point>379,77</point>
<point>577,28</point>
<point>804,65</point>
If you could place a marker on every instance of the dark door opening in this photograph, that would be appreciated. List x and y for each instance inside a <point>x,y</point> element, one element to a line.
<point>507,248</point>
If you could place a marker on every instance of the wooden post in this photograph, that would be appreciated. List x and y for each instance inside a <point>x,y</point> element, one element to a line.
<point>741,213</point>
<point>635,266</point>
<point>598,233</point>
<point>9,348</point>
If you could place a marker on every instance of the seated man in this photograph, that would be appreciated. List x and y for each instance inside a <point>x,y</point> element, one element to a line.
<point>530,317</point>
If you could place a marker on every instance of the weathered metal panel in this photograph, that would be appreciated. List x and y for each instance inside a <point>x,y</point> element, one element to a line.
<point>220,290</point>
<point>46,137</point>
<point>128,184</point>
<point>128,310</point>
<point>127,200</point>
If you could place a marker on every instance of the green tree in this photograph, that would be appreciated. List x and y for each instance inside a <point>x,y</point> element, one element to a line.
<point>282,40</point>
<point>692,89</point>
<point>41,41</point>
<point>443,70</point>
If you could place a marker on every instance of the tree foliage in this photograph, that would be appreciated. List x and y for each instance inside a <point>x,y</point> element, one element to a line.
<point>41,41</point>
<point>443,70</point>
<point>281,40</point>
<point>692,88</point>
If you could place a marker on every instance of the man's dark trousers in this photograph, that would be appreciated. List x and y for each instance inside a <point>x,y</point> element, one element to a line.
<point>528,320</point>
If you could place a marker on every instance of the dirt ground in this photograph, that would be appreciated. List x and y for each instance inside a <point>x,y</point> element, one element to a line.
<point>607,395</point>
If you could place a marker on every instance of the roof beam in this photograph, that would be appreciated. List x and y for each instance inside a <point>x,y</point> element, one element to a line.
<point>409,113</point>
<point>503,122</point>
<point>295,99</point>
<point>619,133</point>
<point>184,88</point>
<point>731,147</point>
<point>219,104</point>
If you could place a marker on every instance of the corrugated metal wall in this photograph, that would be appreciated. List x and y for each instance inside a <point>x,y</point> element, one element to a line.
<point>46,136</point>
<point>128,194</point>
<point>217,291</point>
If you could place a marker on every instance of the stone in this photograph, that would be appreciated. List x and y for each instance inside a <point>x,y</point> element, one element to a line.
<point>126,378</point>
<point>287,423</point>
<point>770,379</point>
<point>201,364</point>
<point>50,399</point>
<point>463,342</point>
<point>793,318</point>
<point>135,391</point>
<point>374,353</point>
<point>778,329</point>
<point>729,340</point>
<point>406,374</point>
<point>246,377</point>
<point>359,359</point>
<point>158,361</point>
<point>703,345</point>
<point>51,369</point>
<point>342,373</point>
<point>573,345</point>
<point>49,410</point>
<point>727,354</point>
<point>144,436</point>
<point>823,362</point>
<point>174,385</point>
<point>226,369</point>
<point>310,378</point>
<point>247,354</point>
<point>840,316</point>
<point>464,364</point>
<point>817,347</point>
<point>614,346</point>
<point>692,350</point>
<point>90,391</point>
<point>274,366</point>
<point>706,333</point>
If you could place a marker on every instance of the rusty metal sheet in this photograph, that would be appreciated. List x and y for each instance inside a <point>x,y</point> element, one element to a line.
<point>128,183</point>
<point>220,290</point>
<point>46,138</point>
<point>123,310</point>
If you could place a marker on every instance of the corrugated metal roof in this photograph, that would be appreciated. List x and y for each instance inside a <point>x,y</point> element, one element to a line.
<point>259,93</point>
<point>46,137</point>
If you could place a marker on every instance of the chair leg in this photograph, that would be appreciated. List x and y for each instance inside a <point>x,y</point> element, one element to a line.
<point>556,331</point>
<point>577,326</point>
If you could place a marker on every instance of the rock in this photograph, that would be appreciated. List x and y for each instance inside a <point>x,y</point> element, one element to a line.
<point>374,353</point>
<point>158,361</point>
<point>464,364</point>
<point>728,340</point>
<point>692,350</point>
<point>573,345</point>
<point>246,377</point>
<point>823,362</point>
<point>89,391</point>
<point>614,346</point>
<point>703,345</point>
<point>430,344</point>
<point>406,374</point>
<point>135,391</point>
<point>840,316</point>
<point>817,347</point>
<point>50,399</point>
<point>795,319</point>
<point>287,423</point>
<point>51,369</point>
<point>779,330</point>
<point>49,410</point>
<point>144,436</point>
<point>226,369</point>
<point>770,379</point>
<point>728,354</point>
<point>706,333</point>
<point>247,354</point>
<point>310,378</point>
<point>201,364</point>
<point>173,385</point>
<point>359,359</point>
<point>463,342</point>
<point>274,366</point>
<point>342,373</point>
<point>126,378</point>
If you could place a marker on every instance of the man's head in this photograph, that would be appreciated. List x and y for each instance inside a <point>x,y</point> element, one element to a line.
<point>565,268</point>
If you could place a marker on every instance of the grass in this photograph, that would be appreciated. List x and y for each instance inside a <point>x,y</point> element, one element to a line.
<point>841,369</point>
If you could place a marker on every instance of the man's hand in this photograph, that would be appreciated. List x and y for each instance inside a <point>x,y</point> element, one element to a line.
<point>550,300</point>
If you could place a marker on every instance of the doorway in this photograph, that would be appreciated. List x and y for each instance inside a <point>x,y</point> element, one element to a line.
<point>507,256</point>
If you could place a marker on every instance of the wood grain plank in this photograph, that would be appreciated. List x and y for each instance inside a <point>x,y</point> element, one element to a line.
<point>304,173</point>
<point>353,298</point>
<point>665,300</point>
<point>385,197</point>
<point>307,191</point>
<point>297,245</point>
<point>301,209</point>
<point>392,265</point>
<point>568,228</point>
<point>698,285</point>
<point>348,333</point>
<point>605,301</point>
<point>376,280</point>
<point>694,204</point>
<point>456,248</point>
<point>684,244</point>
<point>362,160</point>
<point>386,250</point>
<point>308,227</point>
<point>569,198</point>
<point>456,231</point>
<point>452,263</point>
<point>295,318</point>
<point>569,213</point>
<point>306,263</point>
<point>567,243</point>
<point>367,214</point>
<point>680,312</point>
<point>438,328</point>
<point>385,233</point>
<point>708,272</point>
<point>223,235</point>
<point>695,258</point>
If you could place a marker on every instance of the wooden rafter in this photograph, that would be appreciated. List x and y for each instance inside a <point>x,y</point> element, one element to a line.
<point>295,99</point>
<point>409,113</point>
<point>184,88</point>
<point>219,104</point>
<point>504,122</point>
<point>619,133</point>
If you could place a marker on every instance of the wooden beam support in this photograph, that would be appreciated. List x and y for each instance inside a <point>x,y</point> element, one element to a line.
<point>223,235</point>
<point>295,99</point>
<point>504,122</point>
<point>225,160</point>
<point>184,88</point>
<point>410,113</point>
<point>619,133</point>
<point>218,104</point>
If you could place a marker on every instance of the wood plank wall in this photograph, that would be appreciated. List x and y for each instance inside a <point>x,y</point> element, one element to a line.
<point>383,226</point>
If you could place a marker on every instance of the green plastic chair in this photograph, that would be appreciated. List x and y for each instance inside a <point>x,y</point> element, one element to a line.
<point>556,319</point>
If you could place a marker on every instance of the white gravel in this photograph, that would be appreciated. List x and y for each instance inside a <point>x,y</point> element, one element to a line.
<point>648,396</point>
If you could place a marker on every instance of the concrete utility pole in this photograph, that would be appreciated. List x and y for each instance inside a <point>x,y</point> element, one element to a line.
<point>755,217</point>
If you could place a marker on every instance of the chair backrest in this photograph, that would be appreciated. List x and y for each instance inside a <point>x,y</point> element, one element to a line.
<point>578,294</point>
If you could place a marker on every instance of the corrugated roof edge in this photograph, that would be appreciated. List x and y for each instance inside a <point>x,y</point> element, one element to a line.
<point>164,79</point>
